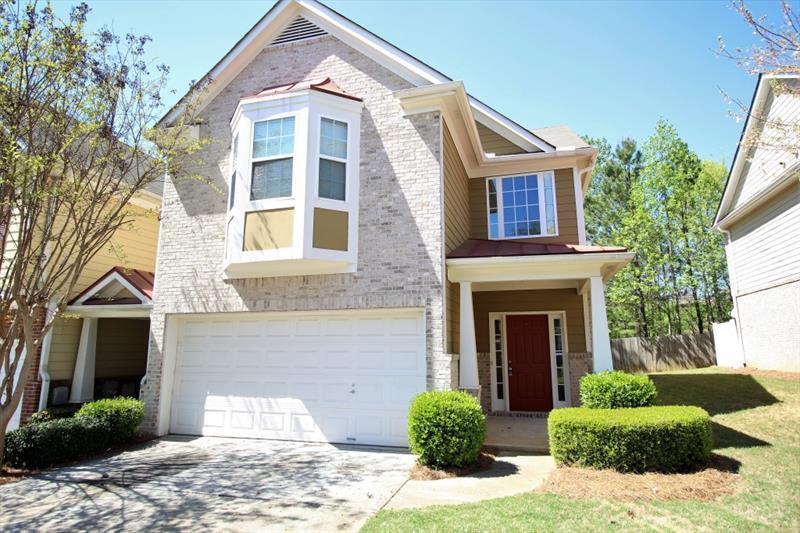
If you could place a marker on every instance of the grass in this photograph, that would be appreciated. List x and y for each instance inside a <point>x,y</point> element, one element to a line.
<point>756,419</point>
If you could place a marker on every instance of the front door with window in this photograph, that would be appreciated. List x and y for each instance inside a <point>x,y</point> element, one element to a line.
<point>529,374</point>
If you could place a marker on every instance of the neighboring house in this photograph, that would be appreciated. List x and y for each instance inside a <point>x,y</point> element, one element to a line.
<point>760,216</point>
<point>384,233</point>
<point>98,348</point>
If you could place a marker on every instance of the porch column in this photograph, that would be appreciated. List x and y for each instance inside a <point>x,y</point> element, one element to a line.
<point>468,358</point>
<point>83,379</point>
<point>601,343</point>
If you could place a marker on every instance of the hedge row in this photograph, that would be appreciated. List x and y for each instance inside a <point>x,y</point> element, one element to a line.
<point>95,427</point>
<point>663,438</point>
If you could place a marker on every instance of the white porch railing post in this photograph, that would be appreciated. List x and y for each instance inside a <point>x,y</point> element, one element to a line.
<point>83,377</point>
<point>468,358</point>
<point>601,342</point>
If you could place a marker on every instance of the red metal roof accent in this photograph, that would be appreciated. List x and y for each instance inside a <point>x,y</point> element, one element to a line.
<point>506,248</point>
<point>142,280</point>
<point>324,85</point>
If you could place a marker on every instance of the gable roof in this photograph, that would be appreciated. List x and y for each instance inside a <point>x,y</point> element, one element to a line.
<point>726,210</point>
<point>285,13</point>
<point>124,284</point>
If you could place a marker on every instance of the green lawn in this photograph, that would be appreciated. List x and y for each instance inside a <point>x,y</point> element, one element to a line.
<point>756,422</point>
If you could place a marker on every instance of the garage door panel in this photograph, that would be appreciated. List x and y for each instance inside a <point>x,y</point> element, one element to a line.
<point>337,376</point>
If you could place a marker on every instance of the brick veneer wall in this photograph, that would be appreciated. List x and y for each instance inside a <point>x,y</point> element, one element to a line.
<point>400,262</point>
<point>580,364</point>
<point>29,403</point>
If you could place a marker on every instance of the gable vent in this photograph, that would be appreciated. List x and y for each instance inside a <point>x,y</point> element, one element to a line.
<point>298,30</point>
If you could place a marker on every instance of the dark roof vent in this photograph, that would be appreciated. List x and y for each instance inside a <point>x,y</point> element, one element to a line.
<point>298,30</point>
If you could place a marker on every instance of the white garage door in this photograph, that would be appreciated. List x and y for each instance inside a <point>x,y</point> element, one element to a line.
<point>339,377</point>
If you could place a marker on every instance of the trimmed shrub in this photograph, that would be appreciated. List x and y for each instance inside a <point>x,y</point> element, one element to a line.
<point>615,390</point>
<point>54,413</point>
<point>121,416</point>
<point>669,438</point>
<point>56,441</point>
<point>446,428</point>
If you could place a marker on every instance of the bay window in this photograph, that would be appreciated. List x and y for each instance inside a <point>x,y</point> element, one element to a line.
<point>293,206</point>
<point>521,206</point>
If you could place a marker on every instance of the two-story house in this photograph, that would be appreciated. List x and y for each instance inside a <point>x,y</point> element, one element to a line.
<point>383,233</point>
<point>760,216</point>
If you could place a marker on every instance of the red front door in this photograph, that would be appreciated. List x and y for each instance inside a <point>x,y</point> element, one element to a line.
<point>530,386</point>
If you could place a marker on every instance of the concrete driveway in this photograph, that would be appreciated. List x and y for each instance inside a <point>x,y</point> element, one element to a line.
<point>211,483</point>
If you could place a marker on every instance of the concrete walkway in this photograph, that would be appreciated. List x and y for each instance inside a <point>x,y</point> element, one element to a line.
<point>517,433</point>
<point>512,473</point>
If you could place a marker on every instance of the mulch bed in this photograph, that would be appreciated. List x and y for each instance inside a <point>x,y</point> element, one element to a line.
<point>10,475</point>
<point>485,461</point>
<point>717,480</point>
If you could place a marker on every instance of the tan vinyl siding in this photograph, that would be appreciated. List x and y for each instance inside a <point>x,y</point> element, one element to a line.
<point>567,300</point>
<point>494,143</point>
<point>132,246</point>
<point>456,227</point>
<point>566,211</point>
<point>765,247</point>
<point>64,347</point>
<point>121,347</point>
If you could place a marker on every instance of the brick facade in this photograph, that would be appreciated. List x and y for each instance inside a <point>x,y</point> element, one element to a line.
<point>29,403</point>
<point>400,261</point>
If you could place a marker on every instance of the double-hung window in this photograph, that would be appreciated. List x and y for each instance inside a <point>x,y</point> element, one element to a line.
<point>332,159</point>
<point>522,206</point>
<point>273,150</point>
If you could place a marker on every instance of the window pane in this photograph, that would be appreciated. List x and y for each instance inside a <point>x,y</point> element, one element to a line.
<point>232,194</point>
<point>499,374</point>
<point>333,138</point>
<point>499,391</point>
<point>562,395</point>
<point>332,179</point>
<point>272,179</point>
<point>521,209</point>
<point>273,137</point>
<point>497,327</point>
<point>549,204</point>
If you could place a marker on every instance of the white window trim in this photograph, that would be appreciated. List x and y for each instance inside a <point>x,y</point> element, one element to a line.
<point>542,208</point>
<point>347,161</point>
<point>270,203</point>
<point>499,405</point>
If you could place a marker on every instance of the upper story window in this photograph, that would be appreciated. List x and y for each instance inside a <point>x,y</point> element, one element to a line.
<point>332,159</point>
<point>273,148</point>
<point>522,206</point>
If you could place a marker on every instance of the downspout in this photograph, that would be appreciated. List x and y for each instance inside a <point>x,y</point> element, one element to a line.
<point>734,291</point>
<point>44,375</point>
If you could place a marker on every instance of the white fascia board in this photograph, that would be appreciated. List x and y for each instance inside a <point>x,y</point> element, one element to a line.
<point>104,282</point>
<point>111,311</point>
<point>540,267</point>
<point>146,199</point>
<point>772,190</point>
<point>386,54</point>
<point>742,155</point>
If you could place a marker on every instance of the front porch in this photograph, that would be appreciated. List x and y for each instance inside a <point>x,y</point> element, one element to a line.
<point>519,433</point>
<point>531,321</point>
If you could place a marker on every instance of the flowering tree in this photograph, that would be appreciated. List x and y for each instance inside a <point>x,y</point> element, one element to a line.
<point>77,142</point>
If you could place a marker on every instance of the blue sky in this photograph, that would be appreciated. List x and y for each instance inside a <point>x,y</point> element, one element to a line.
<point>609,69</point>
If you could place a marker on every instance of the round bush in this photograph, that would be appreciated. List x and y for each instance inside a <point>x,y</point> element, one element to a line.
<point>121,416</point>
<point>670,438</point>
<point>446,428</point>
<point>615,390</point>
